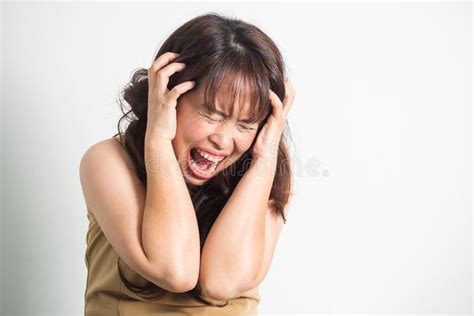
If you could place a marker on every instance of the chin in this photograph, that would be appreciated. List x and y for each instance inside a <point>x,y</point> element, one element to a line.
<point>193,181</point>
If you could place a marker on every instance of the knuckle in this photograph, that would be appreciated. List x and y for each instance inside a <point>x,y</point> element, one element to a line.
<point>173,94</point>
<point>161,75</point>
<point>155,68</point>
<point>167,98</point>
<point>177,90</point>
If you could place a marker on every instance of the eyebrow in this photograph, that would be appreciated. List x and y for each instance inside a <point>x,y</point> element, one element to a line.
<point>212,110</point>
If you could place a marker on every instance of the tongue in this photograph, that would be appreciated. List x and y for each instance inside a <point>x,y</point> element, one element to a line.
<point>201,162</point>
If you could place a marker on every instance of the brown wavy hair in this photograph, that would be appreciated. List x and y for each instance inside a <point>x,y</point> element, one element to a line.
<point>219,49</point>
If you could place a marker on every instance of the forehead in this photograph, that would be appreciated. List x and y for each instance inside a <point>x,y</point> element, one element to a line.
<point>226,98</point>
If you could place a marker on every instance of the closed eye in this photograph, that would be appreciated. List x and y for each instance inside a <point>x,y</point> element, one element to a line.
<point>247,128</point>
<point>209,118</point>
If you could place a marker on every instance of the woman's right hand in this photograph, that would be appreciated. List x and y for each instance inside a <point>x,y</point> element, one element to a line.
<point>161,119</point>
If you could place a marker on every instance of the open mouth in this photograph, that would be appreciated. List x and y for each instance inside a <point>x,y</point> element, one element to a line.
<point>203,165</point>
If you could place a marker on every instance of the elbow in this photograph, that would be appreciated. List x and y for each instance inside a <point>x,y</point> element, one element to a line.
<point>178,282</point>
<point>216,291</point>
<point>185,283</point>
<point>182,286</point>
<point>223,288</point>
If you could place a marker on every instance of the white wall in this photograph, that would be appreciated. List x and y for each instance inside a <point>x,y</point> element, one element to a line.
<point>382,216</point>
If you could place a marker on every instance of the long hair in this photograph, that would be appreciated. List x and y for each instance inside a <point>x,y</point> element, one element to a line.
<point>218,49</point>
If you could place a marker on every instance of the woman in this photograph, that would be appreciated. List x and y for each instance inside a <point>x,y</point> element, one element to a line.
<point>186,206</point>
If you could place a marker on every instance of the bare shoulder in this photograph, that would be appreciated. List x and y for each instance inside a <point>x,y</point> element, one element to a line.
<point>108,162</point>
<point>107,148</point>
<point>116,197</point>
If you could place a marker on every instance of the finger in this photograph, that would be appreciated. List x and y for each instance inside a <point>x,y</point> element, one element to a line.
<point>289,97</point>
<point>178,90</point>
<point>163,76</point>
<point>162,61</point>
<point>159,63</point>
<point>276,104</point>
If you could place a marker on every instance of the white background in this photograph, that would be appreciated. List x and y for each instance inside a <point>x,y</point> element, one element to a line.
<point>381,219</point>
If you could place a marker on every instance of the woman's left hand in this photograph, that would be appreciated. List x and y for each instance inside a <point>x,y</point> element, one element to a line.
<point>268,140</point>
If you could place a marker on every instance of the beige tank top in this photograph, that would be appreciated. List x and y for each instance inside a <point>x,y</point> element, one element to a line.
<point>106,294</point>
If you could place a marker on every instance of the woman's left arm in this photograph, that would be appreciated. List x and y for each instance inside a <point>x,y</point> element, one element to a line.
<point>239,247</point>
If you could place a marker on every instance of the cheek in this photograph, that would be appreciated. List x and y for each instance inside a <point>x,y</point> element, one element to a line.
<point>191,128</point>
<point>245,141</point>
<point>185,125</point>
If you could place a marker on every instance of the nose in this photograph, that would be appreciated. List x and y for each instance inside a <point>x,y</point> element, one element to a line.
<point>222,136</point>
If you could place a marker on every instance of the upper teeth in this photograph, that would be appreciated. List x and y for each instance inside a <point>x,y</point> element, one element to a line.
<point>209,156</point>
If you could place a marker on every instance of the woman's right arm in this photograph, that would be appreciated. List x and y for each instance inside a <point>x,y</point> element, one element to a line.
<point>154,232</point>
<point>170,230</point>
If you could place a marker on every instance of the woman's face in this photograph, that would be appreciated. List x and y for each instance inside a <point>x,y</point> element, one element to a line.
<point>222,135</point>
